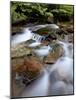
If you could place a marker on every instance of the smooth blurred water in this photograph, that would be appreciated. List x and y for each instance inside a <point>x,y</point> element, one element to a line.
<point>43,51</point>
<point>68,48</point>
<point>28,34</point>
<point>55,80</point>
<point>18,38</point>
<point>38,87</point>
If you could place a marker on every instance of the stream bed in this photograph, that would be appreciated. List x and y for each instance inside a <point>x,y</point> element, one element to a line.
<point>56,79</point>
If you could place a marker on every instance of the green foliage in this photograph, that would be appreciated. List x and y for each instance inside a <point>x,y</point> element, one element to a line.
<point>15,15</point>
<point>63,13</point>
<point>39,12</point>
<point>48,14</point>
<point>67,8</point>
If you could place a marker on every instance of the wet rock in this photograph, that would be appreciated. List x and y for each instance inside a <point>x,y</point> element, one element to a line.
<point>22,59</point>
<point>61,31</point>
<point>17,63</point>
<point>24,64</point>
<point>20,50</point>
<point>51,37</point>
<point>33,64</point>
<point>29,66</point>
<point>67,28</point>
<point>16,30</point>
<point>55,54</point>
<point>17,89</point>
<point>70,29</point>
<point>28,69</point>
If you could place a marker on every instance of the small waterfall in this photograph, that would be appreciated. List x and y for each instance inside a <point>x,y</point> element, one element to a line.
<point>26,35</point>
<point>37,37</point>
<point>68,48</point>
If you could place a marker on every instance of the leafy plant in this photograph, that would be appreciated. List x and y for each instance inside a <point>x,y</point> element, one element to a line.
<point>37,12</point>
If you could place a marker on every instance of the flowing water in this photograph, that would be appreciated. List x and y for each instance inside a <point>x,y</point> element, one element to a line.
<point>18,38</point>
<point>57,80</point>
<point>26,35</point>
<point>62,72</point>
<point>38,87</point>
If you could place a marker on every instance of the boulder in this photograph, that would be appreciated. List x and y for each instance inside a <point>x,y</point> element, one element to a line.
<point>17,63</point>
<point>55,54</point>
<point>20,50</point>
<point>26,66</point>
<point>22,59</point>
<point>33,64</point>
